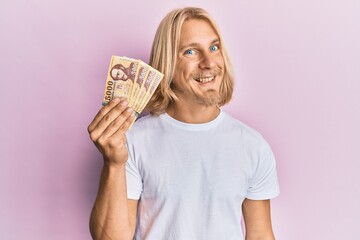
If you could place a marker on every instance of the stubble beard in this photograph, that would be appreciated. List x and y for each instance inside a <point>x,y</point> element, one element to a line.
<point>209,98</point>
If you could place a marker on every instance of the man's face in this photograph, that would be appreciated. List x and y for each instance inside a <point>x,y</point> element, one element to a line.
<point>199,69</point>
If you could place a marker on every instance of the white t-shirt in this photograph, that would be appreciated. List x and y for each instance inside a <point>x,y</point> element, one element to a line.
<point>191,179</point>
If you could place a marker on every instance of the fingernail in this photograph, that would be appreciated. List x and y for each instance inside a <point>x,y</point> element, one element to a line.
<point>129,109</point>
<point>124,103</point>
<point>115,99</point>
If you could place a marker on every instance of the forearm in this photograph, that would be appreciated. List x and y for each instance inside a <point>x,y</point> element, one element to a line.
<point>257,220</point>
<point>254,232</point>
<point>269,236</point>
<point>110,215</point>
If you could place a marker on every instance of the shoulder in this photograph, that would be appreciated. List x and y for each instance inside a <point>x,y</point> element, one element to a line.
<point>144,125</point>
<point>145,121</point>
<point>244,135</point>
<point>235,125</point>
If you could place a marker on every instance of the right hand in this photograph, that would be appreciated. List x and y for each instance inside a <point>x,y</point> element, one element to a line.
<point>108,129</point>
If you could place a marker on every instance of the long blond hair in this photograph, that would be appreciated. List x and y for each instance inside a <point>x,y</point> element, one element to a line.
<point>164,54</point>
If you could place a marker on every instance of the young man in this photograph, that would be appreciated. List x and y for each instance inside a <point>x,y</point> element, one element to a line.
<point>188,171</point>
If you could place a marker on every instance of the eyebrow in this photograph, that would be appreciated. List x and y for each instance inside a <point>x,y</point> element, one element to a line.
<point>195,44</point>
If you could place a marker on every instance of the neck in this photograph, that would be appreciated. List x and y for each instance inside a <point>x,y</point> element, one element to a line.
<point>195,113</point>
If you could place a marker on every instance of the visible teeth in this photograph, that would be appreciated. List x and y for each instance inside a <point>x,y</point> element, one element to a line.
<point>205,79</point>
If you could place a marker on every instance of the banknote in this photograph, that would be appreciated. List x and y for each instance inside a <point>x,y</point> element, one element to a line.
<point>133,80</point>
<point>150,90</point>
<point>120,78</point>
<point>150,76</point>
<point>138,83</point>
<point>152,81</point>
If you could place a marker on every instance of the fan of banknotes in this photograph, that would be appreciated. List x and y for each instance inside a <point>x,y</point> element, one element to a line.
<point>133,80</point>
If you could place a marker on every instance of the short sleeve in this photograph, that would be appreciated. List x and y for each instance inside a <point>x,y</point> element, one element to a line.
<point>264,182</point>
<point>133,177</point>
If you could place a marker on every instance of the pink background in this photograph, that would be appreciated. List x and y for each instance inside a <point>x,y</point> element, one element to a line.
<point>297,66</point>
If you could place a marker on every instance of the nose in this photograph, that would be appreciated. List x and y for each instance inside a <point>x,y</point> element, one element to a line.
<point>208,61</point>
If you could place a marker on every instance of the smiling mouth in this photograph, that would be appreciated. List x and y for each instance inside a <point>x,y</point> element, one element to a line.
<point>205,79</point>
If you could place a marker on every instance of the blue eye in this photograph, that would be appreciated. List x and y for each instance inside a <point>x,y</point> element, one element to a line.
<point>189,52</point>
<point>214,48</point>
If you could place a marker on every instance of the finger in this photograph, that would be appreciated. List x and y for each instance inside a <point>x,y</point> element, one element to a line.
<point>118,123</point>
<point>125,127</point>
<point>103,111</point>
<point>128,123</point>
<point>113,114</point>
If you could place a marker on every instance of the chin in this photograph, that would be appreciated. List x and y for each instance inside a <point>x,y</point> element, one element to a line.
<point>210,98</point>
